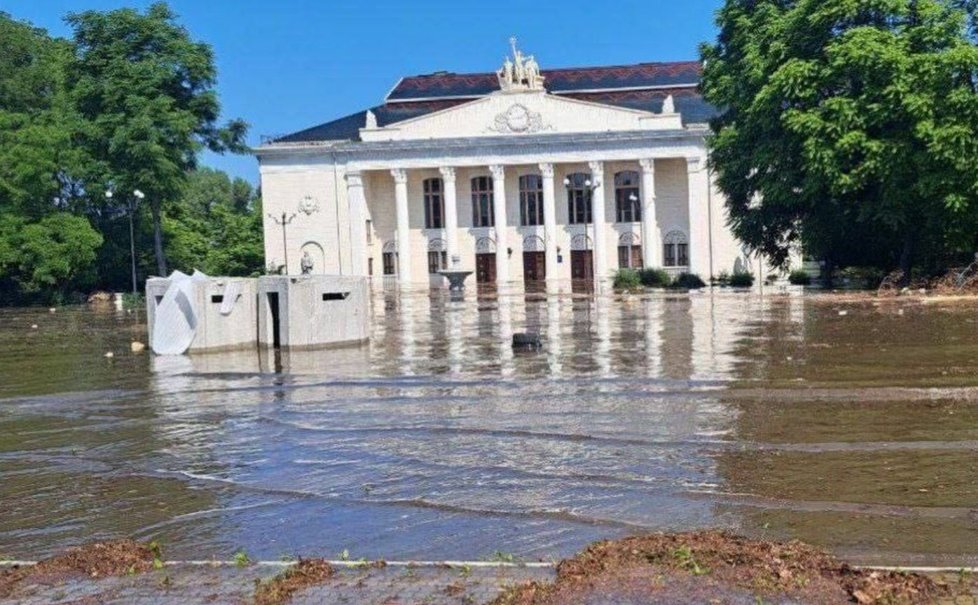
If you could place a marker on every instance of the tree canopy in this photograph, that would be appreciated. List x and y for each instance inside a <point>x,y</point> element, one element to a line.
<point>127,104</point>
<point>848,127</point>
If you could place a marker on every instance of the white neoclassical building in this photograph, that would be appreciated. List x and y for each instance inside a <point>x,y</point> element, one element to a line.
<point>554,177</point>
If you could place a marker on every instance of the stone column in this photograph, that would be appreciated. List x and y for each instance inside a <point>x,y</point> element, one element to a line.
<point>699,227</point>
<point>550,220</point>
<point>358,223</point>
<point>403,226</point>
<point>600,239</point>
<point>650,228</point>
<point>499,210</point>
<point>451,214</point>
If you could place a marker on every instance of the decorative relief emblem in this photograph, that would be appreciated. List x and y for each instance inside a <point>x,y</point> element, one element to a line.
<point>519,120</point>
<point>309,205</point>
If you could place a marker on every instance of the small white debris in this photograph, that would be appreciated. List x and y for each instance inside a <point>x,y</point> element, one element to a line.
<point>109,355</point>
<point>843,313</point>
<point>33,326</point>
<point>52,310</point>
<point>137,347</point>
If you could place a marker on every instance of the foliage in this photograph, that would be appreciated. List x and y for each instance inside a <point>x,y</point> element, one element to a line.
<point>800,278</point>
<point>627,279</point>
<point>146,92</point>
<point>127,104</point>
<point>851,127</point>
<point>741,279</point>
<point>45,260</point>
<point>654,278</point>
<point>688,281</point>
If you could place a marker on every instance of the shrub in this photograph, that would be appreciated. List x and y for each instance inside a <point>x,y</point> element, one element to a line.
<point>627,279</point>
<point>800,278</point>
<point>688,281</point>
<point>741,279</point>
<point>723,278</point>
<point>654,278</point>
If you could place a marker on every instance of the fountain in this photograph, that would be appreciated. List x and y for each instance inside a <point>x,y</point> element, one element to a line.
<point>456,277</point>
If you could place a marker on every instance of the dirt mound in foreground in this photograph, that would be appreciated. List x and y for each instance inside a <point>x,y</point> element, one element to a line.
<point>305,573</point>
<point>96,560</point>
<point>705,567</point>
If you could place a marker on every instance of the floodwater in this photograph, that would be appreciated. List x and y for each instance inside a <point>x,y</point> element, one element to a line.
<point>849,423</point>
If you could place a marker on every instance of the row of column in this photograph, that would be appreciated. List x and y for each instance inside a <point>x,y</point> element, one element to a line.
<point>698,217</point>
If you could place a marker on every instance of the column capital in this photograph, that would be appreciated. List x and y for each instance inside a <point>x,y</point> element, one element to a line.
<point>695,163</point>
<point>400,175</point>
<point>647,164</point>
<point>447,173</point>
<point>596,168</point>
<point>547,171</point>
<point>354,178</point>
<point>498,171</point>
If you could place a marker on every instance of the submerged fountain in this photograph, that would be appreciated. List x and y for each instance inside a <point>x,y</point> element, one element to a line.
<point>456,276</point>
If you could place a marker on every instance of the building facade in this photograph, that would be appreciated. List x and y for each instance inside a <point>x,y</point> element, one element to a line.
<point>550,178</point>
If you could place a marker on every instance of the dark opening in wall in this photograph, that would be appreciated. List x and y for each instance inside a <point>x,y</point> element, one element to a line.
<point>217,299</point>
<point>327,296</point>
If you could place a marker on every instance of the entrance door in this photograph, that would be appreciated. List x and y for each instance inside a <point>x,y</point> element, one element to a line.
<point>582,270</point>
<point>534,266</point>
<point>485,268</point>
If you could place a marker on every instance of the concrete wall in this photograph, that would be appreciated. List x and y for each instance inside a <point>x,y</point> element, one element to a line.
<point>313,311</point>
<point>215,331</point>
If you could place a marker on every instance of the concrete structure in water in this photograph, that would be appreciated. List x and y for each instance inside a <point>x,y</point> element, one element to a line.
<point>309,311</point>
<point>215,331</point>
<point>305,312</point>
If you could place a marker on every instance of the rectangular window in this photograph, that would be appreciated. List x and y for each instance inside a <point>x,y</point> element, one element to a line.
<point>628,203</point>
<point>682,254</point>
<point>437,261</point>
<point>669,255</point>
<point>531,200</point>
<point>389,263</point>
<point>370,266</point>
<point>370,231</point>
<point>482,211</point>
<point>579,206</point>
<point>434,206</point>
<point>629,257</point>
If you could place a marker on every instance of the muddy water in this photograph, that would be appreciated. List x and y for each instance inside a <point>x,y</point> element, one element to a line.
<point>772,415</point>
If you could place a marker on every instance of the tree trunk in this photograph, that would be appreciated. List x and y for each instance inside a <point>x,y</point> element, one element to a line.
<point>828,272</point>
<point>158,240</point>
<point>906,257</point>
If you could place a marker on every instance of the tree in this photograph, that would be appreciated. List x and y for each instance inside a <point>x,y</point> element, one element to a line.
<point>47,259</point>
<point>849,126</point>
<point>146,91</point>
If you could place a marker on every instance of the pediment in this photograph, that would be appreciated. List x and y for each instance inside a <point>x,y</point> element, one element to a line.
<point>522,113</point>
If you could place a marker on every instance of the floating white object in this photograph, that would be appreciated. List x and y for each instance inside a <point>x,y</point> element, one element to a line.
<point>137,347</point>
<point>109,355</point>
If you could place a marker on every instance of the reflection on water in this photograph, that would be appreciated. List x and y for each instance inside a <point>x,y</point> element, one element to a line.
<point>771,415</point>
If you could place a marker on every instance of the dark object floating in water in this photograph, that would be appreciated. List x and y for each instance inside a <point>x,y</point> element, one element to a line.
<point>527,341</point>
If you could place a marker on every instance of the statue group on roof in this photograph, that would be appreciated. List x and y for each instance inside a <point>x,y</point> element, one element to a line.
<point>520,73</point>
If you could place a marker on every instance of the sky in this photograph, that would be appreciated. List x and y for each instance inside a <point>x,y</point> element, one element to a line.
<point>286,65</point>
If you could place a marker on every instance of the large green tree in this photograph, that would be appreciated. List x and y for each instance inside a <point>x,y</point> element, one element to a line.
<point>849,126</point>
<point>146,90</point>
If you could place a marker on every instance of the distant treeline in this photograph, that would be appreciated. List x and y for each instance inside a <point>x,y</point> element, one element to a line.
<point>127,104</point>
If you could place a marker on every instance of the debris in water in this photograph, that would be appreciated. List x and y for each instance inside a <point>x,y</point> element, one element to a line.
<point>33,326</point>
<point>109,355</point>
<point>137,347</point>
<point>843,313</point>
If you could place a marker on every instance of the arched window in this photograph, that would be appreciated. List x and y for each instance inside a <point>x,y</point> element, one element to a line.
<point>434,204</point>
<point>531,200</point>
<point>629,251</point>
<point>628,204</point>
<point>389,258</point>
<point>578,198</point>
<point>437,256</point>
<point>675,249</point>
<point>482,212</point>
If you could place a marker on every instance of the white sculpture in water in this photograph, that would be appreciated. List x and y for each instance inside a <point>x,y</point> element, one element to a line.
<point>522,73</point>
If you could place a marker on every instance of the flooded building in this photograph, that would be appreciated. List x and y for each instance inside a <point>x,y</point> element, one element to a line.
<point>521,175</point>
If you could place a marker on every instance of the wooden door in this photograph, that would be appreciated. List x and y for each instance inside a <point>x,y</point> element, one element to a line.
<point>485,268</point>
<point>582,265</point>
<point>534,266</point>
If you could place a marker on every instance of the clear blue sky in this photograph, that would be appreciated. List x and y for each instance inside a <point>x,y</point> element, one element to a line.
<point>285,65</point>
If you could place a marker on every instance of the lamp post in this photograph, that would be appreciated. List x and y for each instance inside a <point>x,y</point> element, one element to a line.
<point>137,196</point>
<point>284,222</point>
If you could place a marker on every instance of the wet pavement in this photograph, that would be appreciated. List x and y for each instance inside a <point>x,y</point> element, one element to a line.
<point>850,423</point>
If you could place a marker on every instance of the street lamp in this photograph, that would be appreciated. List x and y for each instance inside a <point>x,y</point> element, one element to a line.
<point>137,196</point>
<point>284,222</point>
